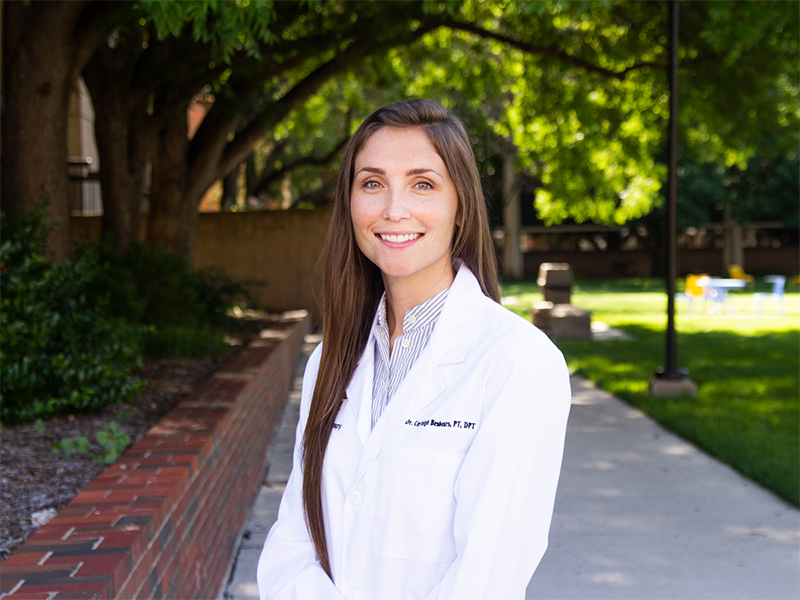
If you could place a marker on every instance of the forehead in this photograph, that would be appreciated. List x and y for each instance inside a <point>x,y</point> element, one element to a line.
<point>405,147</point>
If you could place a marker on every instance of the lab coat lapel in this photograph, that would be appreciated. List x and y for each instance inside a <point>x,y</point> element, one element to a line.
<point>420,386</point>
<point>423,383</point>
<point>359,391</point>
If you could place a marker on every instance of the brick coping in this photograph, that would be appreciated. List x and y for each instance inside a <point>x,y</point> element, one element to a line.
<point>164,520</point>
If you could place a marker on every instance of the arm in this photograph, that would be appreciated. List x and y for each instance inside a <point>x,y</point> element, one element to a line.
<point>288,566</point>
<point>506,488</point>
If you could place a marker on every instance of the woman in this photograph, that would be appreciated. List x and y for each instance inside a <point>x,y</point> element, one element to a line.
<point>432,419</point>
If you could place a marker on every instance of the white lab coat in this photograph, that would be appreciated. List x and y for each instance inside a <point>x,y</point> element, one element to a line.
<point>451,494</point>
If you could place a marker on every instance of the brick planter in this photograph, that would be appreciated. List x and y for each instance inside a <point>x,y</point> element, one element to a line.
<point>164,520</point>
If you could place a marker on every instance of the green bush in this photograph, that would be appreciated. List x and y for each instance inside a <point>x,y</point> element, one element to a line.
<point>61,349</point>
<point>71,333</point>
<point>186,311</point>
<point>155,287</point>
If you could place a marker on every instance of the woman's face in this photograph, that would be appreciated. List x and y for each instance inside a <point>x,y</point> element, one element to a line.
<point>404,208</point>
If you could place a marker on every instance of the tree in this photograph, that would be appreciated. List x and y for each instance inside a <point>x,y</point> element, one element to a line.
<point>142,82</point>
<point>574,91</point>
<point>280,55</point>
<point>45,45</point>
<point>256,96</point>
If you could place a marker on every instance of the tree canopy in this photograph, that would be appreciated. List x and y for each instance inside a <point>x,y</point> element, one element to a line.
<point>578,93</point>
<point>575,92</point>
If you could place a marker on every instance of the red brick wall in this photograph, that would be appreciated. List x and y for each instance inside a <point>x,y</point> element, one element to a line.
<point>164,520</point>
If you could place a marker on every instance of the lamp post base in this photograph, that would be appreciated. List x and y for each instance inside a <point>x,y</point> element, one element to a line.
<point>676,383</point>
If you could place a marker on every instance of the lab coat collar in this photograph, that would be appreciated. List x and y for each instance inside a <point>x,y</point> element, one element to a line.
<point>453,332</point>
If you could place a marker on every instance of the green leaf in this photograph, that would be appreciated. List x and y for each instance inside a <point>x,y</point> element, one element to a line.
<point>67,446</point>
<point>82,444</point>
<point>109,457</point>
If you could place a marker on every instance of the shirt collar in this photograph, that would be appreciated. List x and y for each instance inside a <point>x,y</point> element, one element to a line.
<point>415,318</point>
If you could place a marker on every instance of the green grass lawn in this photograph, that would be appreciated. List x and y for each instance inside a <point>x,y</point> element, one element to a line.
<point>746,366</point>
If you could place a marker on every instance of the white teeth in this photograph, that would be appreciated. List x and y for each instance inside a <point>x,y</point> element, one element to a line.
<point>397,239</point>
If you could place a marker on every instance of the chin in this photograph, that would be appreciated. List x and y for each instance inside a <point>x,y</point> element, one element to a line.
<point>396,273</point>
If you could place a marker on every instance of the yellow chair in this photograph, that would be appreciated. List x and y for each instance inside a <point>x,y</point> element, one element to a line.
<point>691,284</point>
<point>737,272</point>
<point>693,292</point>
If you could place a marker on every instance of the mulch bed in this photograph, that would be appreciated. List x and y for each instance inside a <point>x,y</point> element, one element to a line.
<point>34,479</point>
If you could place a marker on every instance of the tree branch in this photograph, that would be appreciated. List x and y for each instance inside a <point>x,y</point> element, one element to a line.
<point>211,155</point>
<point>92,29</point>
<point>322,192</point>
<point>274,174</point>
<point>276,111</point>
<point>552,51</point>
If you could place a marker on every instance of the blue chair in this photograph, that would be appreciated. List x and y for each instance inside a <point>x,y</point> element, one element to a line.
<point>778,284</point>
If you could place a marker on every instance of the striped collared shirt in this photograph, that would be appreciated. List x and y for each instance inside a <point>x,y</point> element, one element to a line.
<point>390,370</point>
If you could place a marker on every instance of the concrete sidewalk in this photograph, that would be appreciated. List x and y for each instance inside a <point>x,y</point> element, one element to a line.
<point>640,514</point>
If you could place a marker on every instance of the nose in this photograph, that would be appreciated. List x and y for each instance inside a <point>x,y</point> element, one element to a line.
<point>395,208</point>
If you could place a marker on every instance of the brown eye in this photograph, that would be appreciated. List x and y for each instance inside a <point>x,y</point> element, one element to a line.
<point>423,185</point>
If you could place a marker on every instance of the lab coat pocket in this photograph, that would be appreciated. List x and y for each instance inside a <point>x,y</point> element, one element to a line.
<point>414,518</point>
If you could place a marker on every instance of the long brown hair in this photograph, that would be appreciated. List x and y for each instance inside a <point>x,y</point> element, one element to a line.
<point>352,285</point>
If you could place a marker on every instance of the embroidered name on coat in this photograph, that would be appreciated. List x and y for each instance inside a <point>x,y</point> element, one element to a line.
<point>435,423</point>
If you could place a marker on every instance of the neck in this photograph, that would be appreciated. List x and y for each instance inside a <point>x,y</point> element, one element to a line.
<point>402,295</point>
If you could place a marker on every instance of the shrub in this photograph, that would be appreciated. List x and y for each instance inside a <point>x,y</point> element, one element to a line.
<point>186,310</point>
<point>61,350</point>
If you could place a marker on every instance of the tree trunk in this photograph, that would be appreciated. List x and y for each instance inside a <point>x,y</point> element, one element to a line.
<point>172,219</point>
<point>250,177</point>
<point>512,215</point>
<point>229,189</point>
<point>732,252</point>
<point>125,136</point>
<point>39,56</point>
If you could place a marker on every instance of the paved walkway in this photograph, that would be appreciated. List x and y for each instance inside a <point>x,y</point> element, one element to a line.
<point>640,514</point>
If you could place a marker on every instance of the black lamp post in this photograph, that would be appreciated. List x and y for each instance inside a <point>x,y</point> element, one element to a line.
<point>669,379</point>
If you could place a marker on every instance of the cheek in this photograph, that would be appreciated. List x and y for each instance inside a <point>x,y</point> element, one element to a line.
<point>362,211</point>
<point>362,218</point>
<point>451,218</point>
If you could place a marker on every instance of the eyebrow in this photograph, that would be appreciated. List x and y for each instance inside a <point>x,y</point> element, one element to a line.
<point>378,171</point>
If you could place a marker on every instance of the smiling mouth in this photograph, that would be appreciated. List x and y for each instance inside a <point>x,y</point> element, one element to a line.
<point>399,239</point>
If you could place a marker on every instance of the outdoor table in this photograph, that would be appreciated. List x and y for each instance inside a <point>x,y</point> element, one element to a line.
<point>716,289</point>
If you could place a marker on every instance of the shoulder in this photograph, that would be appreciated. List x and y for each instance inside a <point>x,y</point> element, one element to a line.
<point>488,327</point>
<point>314,358</point>
<point>510,333</point>
<point>524,371</point>
<point>310,379</point>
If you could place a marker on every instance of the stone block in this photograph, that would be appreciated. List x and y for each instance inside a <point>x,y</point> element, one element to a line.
<point>556,295</point>
<point>562,321</point>
<point>555,274</point>
<point>555,281</point>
